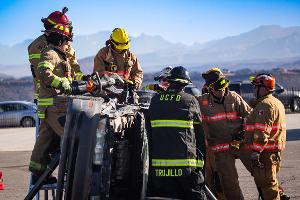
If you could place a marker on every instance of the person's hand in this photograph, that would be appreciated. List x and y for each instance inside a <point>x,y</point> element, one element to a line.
<point>255,159</point>
<point>66,86</point>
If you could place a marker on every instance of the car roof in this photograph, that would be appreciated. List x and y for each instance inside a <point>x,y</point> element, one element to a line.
<point>15,102</point>
<point>239,82</point>
<point>248,82</point>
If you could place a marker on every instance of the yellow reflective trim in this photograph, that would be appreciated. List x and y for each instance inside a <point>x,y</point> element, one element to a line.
<point>177,163</point>
<point>78,76</point>
<point>41,115</point>
<point>50,21</point>
<point>223,81</point>
<point>251,78</point>
<point>33,56</point>
<point>36,95</point>
<point>45,101</point>
<point>181,80</point>
<point>172,123</point>
<point>46,64</point>
<point>37,166</point>
<point>55,82</point>
<point>147,87</point>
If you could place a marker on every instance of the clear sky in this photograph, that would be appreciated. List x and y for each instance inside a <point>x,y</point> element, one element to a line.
<point>185,21</point>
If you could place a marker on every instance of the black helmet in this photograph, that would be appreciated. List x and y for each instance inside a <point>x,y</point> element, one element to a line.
<point>179,75</point>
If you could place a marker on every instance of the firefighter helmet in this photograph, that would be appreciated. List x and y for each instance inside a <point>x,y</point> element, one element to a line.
<point>57,17</point>
<point>212,75</point>
<point>61,29</point>
<point>264,80</point>
<point>164,73</point>
<point>180,75</point>
<point>120,39</point>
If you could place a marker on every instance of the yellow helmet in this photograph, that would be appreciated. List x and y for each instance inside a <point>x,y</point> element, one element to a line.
<point>212,75</point>
<point>120,39</point>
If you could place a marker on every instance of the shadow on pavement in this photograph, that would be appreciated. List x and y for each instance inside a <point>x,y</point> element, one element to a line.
<point>293,135</point>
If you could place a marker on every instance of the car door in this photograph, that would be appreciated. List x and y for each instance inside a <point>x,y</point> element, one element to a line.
<point>13,114</point>
<point>8,118</point>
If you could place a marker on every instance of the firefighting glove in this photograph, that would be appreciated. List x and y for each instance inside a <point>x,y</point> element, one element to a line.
<point>131,85</point>
<point>66,86</point>
<point>255,159</point>
<point>238,136</point>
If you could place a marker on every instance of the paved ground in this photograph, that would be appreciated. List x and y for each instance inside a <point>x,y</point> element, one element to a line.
<point>17,139</point>
<point>16,145</point>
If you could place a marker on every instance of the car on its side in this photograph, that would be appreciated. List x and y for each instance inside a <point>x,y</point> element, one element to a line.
<point>17,113</point>
<point>289,98</point>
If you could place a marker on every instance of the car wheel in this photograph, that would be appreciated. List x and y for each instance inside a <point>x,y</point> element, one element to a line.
<point>295,105</point>
<point>28,122</point>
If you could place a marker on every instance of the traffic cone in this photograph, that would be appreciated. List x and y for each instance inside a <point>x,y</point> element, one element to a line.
<point>1,181</point>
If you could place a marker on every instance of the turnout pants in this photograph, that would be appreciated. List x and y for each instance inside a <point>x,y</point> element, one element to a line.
<point>185,188</point>
<point>265,178</point>
<point>48,141</point>
<point>212,179</point>
<point>225,165</point>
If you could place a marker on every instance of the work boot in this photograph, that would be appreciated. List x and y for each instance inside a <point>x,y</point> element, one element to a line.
<point>283,196</point>
<point>50,180</point>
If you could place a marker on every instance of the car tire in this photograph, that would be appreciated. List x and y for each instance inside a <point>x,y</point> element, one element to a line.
<point>295,105</point>
<point>27,122</point>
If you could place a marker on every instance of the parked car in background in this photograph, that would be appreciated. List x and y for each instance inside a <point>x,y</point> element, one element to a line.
<point>17,113</point>
<point>289,98</point>
<point>193,90</point>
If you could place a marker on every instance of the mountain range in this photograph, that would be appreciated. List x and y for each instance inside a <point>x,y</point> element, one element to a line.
<point>263,45</point>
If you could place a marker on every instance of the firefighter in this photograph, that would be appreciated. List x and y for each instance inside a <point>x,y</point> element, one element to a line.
<point>176,143</point>
<point>54,72</point>
<point>163,83</point>
<point>41,43</point>
<point>115,57</point>
<point>222,114</point>
<point>217,72</point>
<point>265,138</point>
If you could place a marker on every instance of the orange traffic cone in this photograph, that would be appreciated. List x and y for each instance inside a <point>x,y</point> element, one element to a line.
<point>1,181</point>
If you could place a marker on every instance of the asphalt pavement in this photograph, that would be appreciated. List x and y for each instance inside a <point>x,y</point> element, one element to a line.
<point>16,145</point>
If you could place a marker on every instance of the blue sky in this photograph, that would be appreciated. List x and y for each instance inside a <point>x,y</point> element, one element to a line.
<point>185,21</point>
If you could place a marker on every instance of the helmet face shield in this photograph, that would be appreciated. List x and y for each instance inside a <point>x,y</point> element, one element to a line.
<point>63,30</point>
<point>121,46</point>
<point>220,84</point>
<point>164,73</point>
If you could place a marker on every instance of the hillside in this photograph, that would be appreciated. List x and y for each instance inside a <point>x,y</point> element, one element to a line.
<point>265,43</point>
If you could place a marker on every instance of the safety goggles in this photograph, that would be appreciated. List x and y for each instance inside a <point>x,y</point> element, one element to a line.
<point>120,44</point>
